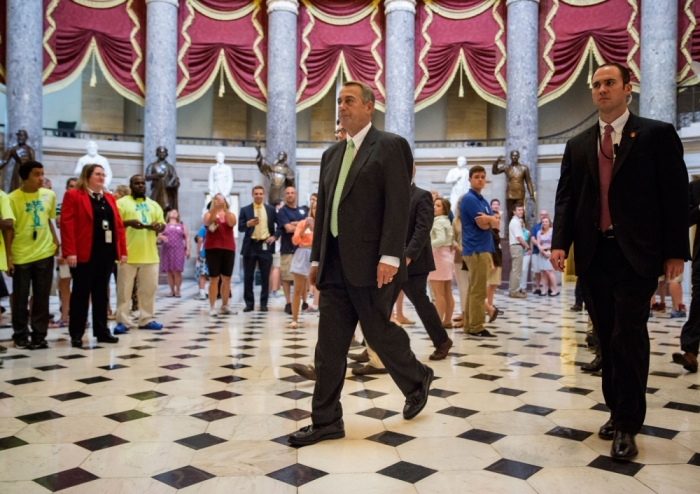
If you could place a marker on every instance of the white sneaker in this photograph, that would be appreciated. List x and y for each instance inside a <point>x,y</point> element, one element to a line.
<point>202,296</point>
<point>226,310</point>
<point>213,312</point>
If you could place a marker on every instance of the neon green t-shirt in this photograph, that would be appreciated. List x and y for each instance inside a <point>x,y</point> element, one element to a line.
<point>33,212</point>
<point>141,244</point>
<point>7,214</point>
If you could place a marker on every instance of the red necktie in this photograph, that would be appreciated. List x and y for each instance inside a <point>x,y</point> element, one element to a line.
<point>605,166</point>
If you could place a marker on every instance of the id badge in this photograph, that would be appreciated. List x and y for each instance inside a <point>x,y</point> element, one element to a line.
<point>264,246</point>
<point>108,236</point>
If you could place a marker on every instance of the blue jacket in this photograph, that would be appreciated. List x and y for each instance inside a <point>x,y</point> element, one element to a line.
<point>248,214</point>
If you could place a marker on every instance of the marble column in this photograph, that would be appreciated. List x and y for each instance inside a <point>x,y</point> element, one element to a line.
<point>400,59</point>
<point>24,71</point>
<point>160,121</point>
<point>658,63</point>
<point>281,132</point>
<point>521,99</point>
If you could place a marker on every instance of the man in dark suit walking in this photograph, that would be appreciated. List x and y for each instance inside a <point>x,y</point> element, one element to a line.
<point>358,261</point>
<point>258,221</point>
<point>622,200</point>
<point>690,334</point>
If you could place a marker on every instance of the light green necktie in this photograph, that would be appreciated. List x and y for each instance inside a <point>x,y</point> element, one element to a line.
<point>344,170</point>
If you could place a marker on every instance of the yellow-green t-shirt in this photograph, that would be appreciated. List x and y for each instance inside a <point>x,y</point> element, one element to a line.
<point>7,214</point>
<point>141,244</point>
<point>33,212</point>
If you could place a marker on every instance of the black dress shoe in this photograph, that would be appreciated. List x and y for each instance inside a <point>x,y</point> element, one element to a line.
<point>248,309</point>
<point>263,308</point>
<point>108,339</point>
<point>623,446</point>
<point>416,401</point>
<point>607,431</point>
<point>39,345</point>
<point>594,366</point>
<point>312,434</point>
<point>76,343</point>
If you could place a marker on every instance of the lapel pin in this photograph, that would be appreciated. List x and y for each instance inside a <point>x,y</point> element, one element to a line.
<point>632,134</point>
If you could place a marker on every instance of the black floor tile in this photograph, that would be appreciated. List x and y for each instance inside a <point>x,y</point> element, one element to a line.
<point>407,472</point>
<point>235,366</point>
<point>390,438</point>
<point>64,480</point>
<point>221,395</point>
<point>575,390</point>
<point>101,442</point>
<point>457,412</point>
<point>622,467</point>
<point>146,395</point>
<point>535,410</point>
<point>34,418</point>
<point>649,430</point>
<point>361,379</point>
<point>174,366</point>
<point>377,413</point>
<point>567,433</point>
<point>50,367</point>
<point>113,367</point>
<point>11,442</point>
<point>487,377</point>
<point>295,414</point>
<point>127,416</point>
<point>368,393</point>
<point>229,379</point>
<point>25,380</point>
<point>184,477</point>
<point>283,440</point>
<point>193,347</point>
<point>94,380</point>
<point>544,375</point>
<point>75,395</point>
<point>524,364</point>
<point>695,460</point>
<point>519,470</point>
<point>471,365</point>
<point>441,393</point>
<point>162,379</point>
<point>72,357</point>
<point>508,391</point>
<point>142,347</point>
<point>486,437</point>
<point>295,395</point>
<point>200,441</point>
<point>130,356</point>
<point>601,407</point>
<point>212,415</point>
<point>185,356</point>
<point>297,474</point>
<point>672,375</point>
<point>684,407</point>
<point>294,379</point>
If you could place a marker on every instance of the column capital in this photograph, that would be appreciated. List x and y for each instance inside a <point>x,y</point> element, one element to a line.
<point>403,5</point>
<point>171,2</point>
<point>508,2</point>
<point>284,5</point>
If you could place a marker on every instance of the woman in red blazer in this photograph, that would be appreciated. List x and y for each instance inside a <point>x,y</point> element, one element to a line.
<point>92,239</point>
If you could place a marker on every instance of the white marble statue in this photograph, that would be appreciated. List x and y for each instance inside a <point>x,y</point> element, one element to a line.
<point>220,178</point>
<point>459,179</point>
<point>93,158</point>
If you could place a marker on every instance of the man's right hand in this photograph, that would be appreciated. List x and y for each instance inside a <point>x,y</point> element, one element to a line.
<point>558,259</point>
<point>252,222</point>
<point>312,275</point>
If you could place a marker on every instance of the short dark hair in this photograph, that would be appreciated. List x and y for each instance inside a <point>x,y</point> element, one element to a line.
<point>259,187</point>
<point>131,180</point>
<point>516,206</point>
<point>26,168</point>
<point>495,200</point>
<point>71,180</point>
<point>624,71</point>
<point>476,169</point>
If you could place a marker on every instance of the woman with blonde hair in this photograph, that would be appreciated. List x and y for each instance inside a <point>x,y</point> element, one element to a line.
<point>175,248</point>
<point>441,278</point>
<point>301,264</point>
<point>220,249</point>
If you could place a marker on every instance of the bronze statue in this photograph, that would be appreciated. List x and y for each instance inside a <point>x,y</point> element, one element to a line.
<point>164,180</point>
<point>518,177</point>
<point>280,174</point>
<point>18,154</point>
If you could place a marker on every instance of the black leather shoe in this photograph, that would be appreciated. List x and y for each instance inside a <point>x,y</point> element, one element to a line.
<point>312,434</point>
<point>22,344</point>
<point>416,401</point>
<point>39,345</point>
<point>623,446</point>
<point>594,366</point>
<point>263,308</point>
<point>108,339</point>
<point>76,343</point>
<point>248,309</point>
<point>606,431</point>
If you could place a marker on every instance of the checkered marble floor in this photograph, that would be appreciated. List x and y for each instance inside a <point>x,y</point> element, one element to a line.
<point>204,406</point>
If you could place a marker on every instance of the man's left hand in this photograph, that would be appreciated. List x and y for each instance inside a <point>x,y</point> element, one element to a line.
<point>385,274</point>
<point>673,268</point>
<point>270,240</point>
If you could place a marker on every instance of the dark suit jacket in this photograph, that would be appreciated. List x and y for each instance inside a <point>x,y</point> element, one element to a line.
<point>647,197</point>
<point>420,222</point>
<point>247,213</point>
<point>694,213</point>
<point>373,209</point>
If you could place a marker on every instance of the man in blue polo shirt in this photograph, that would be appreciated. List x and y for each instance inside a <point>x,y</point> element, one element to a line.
<point>477,247</point>
<point>287,219</point>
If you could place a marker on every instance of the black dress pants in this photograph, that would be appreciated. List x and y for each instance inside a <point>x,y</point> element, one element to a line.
<point>263,258</point>
<point>90,282</point>
<point>690,334</point>
<point>37,275</point>
<point>342,305</point>
<point>415,289</point>
<point>617,298</point>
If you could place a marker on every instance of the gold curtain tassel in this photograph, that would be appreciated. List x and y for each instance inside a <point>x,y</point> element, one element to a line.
<point>461,85</point>
<point>93,77</point>
<point>222,86</point>
<point>590,66</point>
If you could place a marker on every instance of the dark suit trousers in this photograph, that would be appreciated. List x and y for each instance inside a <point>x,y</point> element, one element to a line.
<point>690,335</point>
<point>342,306</point>
<point>263,258</point>
<point>618,302</point>
<point>90,281</point>
<point>415,289</point>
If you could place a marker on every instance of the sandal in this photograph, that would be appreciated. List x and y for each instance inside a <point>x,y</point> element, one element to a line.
<point>59,324</point>
<point>292,325</point>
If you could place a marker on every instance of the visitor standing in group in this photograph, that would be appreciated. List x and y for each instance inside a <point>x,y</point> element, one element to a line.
<point>220,249</point>
<point>301,265</point>
<point>175,248</point>
<point>441,278</point>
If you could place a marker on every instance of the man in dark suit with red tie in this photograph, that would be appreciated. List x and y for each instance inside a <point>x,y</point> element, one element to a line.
<point>358,261</point>
<point>622,201</point>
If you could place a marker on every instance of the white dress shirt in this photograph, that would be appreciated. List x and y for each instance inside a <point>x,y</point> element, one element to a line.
<point>618,125</point>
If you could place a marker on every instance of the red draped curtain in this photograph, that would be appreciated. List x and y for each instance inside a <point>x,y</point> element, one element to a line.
<point>111,31</point>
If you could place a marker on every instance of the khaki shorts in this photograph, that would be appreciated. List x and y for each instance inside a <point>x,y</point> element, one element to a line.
<point>496,276</point>
<point>286,266</point>
<point>678,279</point>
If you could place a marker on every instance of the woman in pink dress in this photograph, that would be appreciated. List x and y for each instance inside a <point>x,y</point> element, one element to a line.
<point>441,278</point>
<point>175,243</point>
